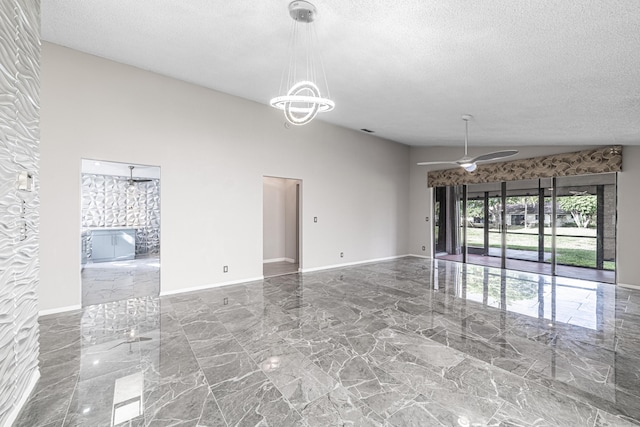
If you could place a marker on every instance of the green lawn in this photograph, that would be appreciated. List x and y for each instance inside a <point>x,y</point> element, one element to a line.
<point>573,246</point>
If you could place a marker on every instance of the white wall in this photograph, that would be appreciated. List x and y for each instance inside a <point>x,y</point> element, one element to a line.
<point>290,213</point>
<point>279,220</point>
<point>628,267</point>
<point>628,233</point>
<point>213,150</point>
<point>274,220</point>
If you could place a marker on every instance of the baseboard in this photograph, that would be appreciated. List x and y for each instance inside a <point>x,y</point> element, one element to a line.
<point>162,293</point>
<point>210,286</point>
<point>625,285</point>
<point>13,415</point>
<point>59,310</point>
<point>269,261</point>
<point>347,264</point>
<point>240,281</point>
<point>420,256</point>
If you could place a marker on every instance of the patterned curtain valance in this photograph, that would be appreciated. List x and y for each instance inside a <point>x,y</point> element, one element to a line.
<point>599,160</point>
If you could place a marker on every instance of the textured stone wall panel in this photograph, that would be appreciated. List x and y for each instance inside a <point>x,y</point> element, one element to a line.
<point>7,358</point>
<point>19,220</point>
<point>109,201</point>
<point>8,366</point>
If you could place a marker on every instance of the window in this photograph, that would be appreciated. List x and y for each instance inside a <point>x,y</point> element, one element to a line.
<point>562,226</point>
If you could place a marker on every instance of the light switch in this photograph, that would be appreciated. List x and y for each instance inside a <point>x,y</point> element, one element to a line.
<point>25,181</point>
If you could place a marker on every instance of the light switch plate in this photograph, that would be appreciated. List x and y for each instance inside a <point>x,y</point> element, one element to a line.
<point>25,181</point>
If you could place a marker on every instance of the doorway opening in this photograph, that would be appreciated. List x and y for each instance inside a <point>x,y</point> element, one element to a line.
<point>120,231</point>
<point>281,226</point>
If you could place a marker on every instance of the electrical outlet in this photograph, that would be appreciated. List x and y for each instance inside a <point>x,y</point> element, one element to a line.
<point>225,269</point>
<point>341,254</point>
<point>424,248</point>
<point>225,301</point>
<point>426,218</point>
<point>315,219</point>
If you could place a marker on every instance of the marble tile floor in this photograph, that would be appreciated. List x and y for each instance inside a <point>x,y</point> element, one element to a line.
<point>602,276</point>
<point>114,281</point>
<point>408,342</point>
<point>272,269</point>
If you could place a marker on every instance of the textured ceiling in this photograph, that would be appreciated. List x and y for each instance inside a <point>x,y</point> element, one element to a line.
<point>531,72</point>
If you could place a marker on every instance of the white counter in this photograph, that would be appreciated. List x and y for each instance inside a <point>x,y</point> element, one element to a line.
<point>112,243</point>
<point>128,227</point>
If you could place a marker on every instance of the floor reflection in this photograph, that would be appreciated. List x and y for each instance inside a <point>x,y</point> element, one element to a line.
<point>558,299</point>
<point>104,282</point>
<point>402,342</point>
<point>568,271</point>
<point>120,355</point>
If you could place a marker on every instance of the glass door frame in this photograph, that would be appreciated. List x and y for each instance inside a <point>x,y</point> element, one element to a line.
<point>542,197</point>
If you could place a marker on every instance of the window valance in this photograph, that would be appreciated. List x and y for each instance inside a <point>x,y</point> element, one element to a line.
<point>599,160</point>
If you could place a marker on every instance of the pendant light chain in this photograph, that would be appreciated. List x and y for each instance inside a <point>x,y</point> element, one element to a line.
<point>303,99</point>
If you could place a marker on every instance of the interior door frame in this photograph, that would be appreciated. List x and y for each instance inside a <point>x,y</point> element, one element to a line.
<point>299,222</point>
<point>80,234</point>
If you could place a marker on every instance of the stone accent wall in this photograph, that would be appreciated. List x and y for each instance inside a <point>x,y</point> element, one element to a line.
<point>19,219</point>
<point>109,201</point>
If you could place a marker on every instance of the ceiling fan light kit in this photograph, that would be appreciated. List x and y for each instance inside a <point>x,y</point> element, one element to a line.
<point>470,167</point>
<point>303,100</point>
<point>133,181</point>
<point>470,164</point>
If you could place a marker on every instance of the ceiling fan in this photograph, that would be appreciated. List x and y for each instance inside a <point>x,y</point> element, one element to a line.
<point>130,337</point>
<point>471,163</point>
<point>132,181</point>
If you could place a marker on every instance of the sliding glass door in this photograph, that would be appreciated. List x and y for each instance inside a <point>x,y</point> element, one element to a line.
<point>448,224</point>
<point>484,224</point>
<point>525,233</point>
<point>585,225</point>
<point>555,226</point>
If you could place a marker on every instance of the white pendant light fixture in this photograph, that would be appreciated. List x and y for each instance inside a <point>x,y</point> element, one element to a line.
<point>305,73</point>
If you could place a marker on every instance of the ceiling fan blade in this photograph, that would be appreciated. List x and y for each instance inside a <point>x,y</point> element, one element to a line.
<point>436,163</point>
<point>495,156</point>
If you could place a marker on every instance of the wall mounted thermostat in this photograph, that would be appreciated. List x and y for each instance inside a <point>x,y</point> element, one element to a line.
<point>25,181</point>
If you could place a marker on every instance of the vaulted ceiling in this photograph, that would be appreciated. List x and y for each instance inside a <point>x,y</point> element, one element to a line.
<point>537,72</point>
